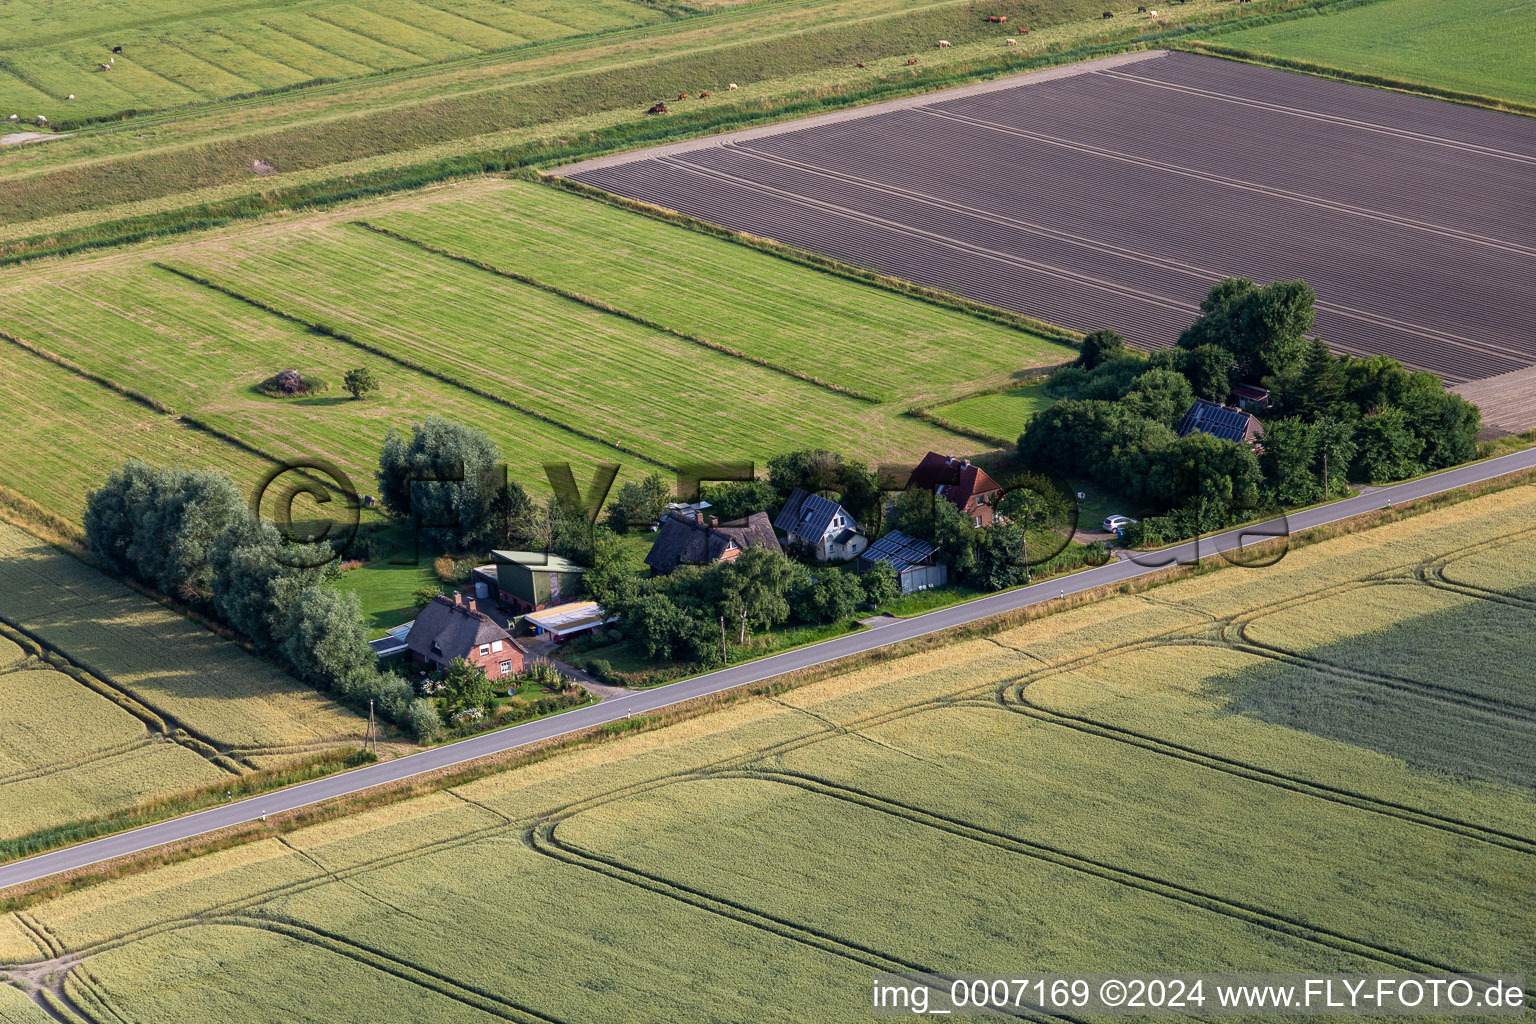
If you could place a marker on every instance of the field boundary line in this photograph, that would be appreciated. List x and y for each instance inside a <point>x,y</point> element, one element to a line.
<point>603,307</point>
<point>404,363</point>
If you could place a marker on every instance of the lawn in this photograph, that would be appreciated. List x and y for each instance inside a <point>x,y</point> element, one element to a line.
<point>1002,414</point>
<point>1481,47</point>
<point>1091,758</point>
<point>384,589</point>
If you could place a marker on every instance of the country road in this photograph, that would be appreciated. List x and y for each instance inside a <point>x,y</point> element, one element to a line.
<point>436,758</point>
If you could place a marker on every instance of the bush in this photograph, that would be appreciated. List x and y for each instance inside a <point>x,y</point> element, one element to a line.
<point>423,595</point>
<point>422,721</point>
<point>292,384</point>
<point>601,670</point>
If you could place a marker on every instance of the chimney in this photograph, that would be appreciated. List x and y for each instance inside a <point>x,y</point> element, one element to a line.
<point>965,463</point>
<point>949,460</point>
<point>698,516</point>
<point>458,598</point>
<point>714,521</point>
<point>472,604</point>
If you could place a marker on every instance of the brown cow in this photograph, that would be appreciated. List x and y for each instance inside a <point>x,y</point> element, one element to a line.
<point>682,95</point>
<point>911,61</point>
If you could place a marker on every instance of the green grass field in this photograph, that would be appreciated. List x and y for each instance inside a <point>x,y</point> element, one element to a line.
<point>1002,414</point>
<point>1481,47</point>
<point>1079,790</point>
<point>196,51</point>
<point>735,342</point>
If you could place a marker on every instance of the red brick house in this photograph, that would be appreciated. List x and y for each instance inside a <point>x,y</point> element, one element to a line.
<point>967,487</point>
<point>454,628</point>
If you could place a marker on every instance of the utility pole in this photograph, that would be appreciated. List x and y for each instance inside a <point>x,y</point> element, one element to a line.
<point>724,656</point>
<point>1325,472</point>
<point>373,735</point>
<point>743,639</point>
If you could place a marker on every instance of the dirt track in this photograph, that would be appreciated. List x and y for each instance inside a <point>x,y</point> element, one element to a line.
<point>1114,193</point>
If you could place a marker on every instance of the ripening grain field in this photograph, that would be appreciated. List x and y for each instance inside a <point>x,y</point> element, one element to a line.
<point>1086,790</point>
<point>565,328</point>
<point>177,672</point>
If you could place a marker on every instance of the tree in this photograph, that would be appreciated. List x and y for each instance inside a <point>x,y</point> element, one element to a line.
<point>638,504</point>
<point>1264,327</point>
<point>448,479</point>
<point>360,382</point>
<point>1386,447</point>
<point>611,579</point>
<point>254,586</point>
<point>756,584</point>
<point>327,639</point>
<point>1292,462</point>
<point>1160,395</point>
<point>1208,368</point>
<point>424,594</point>
<point>882,584</point>
<point>831,595</point>
<point>160,525</point>
<point>1336,450</point>
<point>1446,422</point>
<point>739,499</point>
<point>1099,346</point>
<point>467,686</point>
<point>1000,560</point>
<point>920,513</point>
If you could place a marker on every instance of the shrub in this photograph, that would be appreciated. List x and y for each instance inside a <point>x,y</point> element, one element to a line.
<point>601,670</point>
<point>423,594</point>
<point>291,384</point>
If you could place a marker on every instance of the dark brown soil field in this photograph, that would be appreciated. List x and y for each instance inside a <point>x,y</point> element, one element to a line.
<point>1113,195</point>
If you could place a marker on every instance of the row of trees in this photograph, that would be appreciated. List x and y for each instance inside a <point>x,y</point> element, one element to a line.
<point>1334,418</point>
<point>190,534</point>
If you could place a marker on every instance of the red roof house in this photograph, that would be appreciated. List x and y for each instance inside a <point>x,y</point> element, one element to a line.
<point>967,487</point>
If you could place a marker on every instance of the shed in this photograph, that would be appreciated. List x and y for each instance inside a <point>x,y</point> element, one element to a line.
<point>528,581</point>
<point>564,621</point>
<point>915,561</point>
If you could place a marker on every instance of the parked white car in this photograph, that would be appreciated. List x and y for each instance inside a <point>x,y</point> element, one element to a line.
<point>1114,524</point>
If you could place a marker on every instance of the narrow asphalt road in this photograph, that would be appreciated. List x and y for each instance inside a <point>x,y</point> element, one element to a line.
<point>436,758</point>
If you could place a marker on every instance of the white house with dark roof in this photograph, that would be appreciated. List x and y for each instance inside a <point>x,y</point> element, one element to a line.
<point>822,525</point>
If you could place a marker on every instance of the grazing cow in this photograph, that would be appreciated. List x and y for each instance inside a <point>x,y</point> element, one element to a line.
<point>106,67</point>
<point>682,95</point>
<point>71,95</point>
<point>15,117</point>
<point>1141,10</point>
<point>41,119</point>
<point>943,44</point>
<point>658,108</point>
<point>1023,31</point>
<point>911,61</point>
<point>706,94</point>
<point>1010,42</point>
<point>733,87</point>
<point>861,64</point>
<point>1107,14</point>
<point>117,49</point>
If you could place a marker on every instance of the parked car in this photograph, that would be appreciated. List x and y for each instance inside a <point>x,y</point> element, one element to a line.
<point>1114,524</point>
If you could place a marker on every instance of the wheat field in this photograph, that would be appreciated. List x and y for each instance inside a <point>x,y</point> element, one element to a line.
<point>1087,790</point>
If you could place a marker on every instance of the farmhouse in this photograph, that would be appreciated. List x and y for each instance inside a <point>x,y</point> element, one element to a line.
<point>448,629</point>
<point>1249,398</point>
<point>822,525</point>
<point>696,539</point>
<point>913,559</point>
<point>1219,421</point>
<point>527,581</point>
<point>967,487</point>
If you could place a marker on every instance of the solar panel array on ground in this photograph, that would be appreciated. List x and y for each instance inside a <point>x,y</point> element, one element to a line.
<point>1115,196</point>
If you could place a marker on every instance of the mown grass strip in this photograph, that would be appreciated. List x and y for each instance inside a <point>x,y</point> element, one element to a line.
<point>1271,60</point>
<point>347,339</point>
<point>603,307</point>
